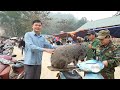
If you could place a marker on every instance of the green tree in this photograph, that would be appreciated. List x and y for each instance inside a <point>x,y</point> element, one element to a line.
<point>81,22</point>
<point>16,23</point>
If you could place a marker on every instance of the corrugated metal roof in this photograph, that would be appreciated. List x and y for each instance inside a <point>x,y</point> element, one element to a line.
<point>114,20</point>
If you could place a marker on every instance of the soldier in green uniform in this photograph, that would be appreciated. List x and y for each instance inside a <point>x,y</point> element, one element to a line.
<point>92,45</point>
<point>108,54</point>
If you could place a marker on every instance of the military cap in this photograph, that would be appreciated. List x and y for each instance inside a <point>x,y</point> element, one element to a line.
<point>103,33</point>
<point>91,32</point>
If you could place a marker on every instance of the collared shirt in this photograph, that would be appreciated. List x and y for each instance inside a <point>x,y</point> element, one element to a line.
<point>34,45</point>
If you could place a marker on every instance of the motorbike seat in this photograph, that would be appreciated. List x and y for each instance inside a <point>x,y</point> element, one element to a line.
<point>71,75</point>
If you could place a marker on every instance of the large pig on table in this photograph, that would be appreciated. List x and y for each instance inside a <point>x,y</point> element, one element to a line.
<point>67,54</point>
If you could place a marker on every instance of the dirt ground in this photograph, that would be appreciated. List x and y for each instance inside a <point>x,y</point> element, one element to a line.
<point>46,73</point>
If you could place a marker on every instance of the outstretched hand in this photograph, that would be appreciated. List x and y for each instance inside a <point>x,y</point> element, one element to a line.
<point>90,46</point>
<point>51,51</point>
<point>105,63</point>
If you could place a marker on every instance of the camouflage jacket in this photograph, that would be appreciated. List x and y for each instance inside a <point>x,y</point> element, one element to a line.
<point>110,53</point>
<point>91,52</point>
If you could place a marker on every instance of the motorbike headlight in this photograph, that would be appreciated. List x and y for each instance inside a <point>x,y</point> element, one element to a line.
<point>95,68</point>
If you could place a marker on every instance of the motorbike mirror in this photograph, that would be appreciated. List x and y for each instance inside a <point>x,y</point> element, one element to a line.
<point>14,55</point>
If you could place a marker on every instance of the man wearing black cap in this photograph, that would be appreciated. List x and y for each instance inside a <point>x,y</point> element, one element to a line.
<point>92,44</point>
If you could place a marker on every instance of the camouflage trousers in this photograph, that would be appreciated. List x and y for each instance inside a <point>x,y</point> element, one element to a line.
<point>108,75</point>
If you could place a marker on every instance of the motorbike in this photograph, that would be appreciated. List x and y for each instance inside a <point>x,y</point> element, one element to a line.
<point>11,68</point>
<point>91,68</point>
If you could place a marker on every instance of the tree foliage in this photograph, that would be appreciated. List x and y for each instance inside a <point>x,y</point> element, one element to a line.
<point>17,23</point>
